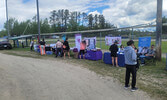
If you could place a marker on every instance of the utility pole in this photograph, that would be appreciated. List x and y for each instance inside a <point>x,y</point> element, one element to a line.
<point>7,18</point>
<point>132,34</point>
<point>38,21</point>
<point>158,29</point>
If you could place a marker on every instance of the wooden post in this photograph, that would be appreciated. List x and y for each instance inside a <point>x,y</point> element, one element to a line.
<point>158,29</point>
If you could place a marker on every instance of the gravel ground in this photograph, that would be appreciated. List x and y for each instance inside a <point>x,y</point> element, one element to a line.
<point>24,78</point>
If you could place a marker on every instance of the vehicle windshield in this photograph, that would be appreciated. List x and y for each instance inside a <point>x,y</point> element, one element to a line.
<point>3,40</point>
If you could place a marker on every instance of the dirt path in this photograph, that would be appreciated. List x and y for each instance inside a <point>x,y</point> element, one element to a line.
<point>38,79</point>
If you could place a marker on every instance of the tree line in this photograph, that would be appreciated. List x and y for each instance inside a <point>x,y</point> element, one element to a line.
<point>63,21</point>
<point>58,21</point>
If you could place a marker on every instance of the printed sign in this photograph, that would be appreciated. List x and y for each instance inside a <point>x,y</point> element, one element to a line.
<point>64,37</point>
<point>111,40</point>
<point>90,43</point>
<point>144,42</point>
<point>78,39</point>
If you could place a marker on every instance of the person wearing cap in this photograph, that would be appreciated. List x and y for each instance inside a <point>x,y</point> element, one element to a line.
<point>114,50</point>
<point>130,62</point>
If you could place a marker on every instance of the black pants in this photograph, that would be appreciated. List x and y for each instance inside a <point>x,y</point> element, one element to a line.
<point>130,69</point>
<point>31,47</point>
<point>59,51</point>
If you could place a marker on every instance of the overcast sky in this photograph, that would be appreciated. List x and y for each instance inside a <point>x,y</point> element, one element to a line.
<point>119,12</point>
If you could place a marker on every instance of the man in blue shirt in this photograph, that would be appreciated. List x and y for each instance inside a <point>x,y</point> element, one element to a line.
<point>149,55</point>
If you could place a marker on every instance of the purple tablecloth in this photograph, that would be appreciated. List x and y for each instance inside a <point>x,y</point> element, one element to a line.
<point>93,55</point>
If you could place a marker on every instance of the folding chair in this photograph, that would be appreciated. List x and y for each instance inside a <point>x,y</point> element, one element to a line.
<point>151,61</point>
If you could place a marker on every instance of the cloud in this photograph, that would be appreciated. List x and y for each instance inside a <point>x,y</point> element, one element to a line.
<point>118,12</point>
<point>3,14</point>
<point>132,12</point>
<point>164,8</point>
<point>94,13</point>
<point>22,10</point>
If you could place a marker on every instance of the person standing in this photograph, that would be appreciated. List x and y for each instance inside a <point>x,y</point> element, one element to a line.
<point>59,48</point>
<point>82,49</point>
<point>42,46</point>
<point>32,44</point>
<point>114,50</point>
<point>22,43</point>
<point>66,48</point>
<point>121,49</point>
<point>130,62</point>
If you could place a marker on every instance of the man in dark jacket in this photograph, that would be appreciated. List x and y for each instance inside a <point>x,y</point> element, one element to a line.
<point>130,61</point>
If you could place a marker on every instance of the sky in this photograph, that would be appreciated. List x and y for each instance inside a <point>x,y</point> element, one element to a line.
<point>121,13</point>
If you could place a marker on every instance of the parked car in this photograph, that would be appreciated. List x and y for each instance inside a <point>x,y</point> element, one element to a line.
<point>5,45</point>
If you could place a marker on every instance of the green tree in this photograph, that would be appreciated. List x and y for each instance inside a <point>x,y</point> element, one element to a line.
<point>90,21</point>
<point>66,18</point>
<point>101,21</point>
<point>11,24</point>
<point>96,21</point>
<point>45,27</point>
<point>53,18</point>
<point>84,19</point>
<point>164,28</point>
<point>3,33</point>
<point>73,22</point>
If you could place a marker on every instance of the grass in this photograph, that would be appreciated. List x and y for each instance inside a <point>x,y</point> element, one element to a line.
<point>105,47</point>
<point>151,78</point>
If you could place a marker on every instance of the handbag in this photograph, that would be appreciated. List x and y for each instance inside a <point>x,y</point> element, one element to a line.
<point>64,46</point>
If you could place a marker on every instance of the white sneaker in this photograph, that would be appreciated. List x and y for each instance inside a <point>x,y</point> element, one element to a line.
<point>126,87</point>
<point>134,89</point>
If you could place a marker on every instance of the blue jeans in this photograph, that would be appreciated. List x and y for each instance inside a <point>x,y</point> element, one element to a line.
<point>145,57</point>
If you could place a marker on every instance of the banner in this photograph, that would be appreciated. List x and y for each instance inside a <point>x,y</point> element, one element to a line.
<point>111,40</point>
<point>78,39</point>
<point>53,45</point>
<point>144,42</point>
<point>90,43</point>
<point>64,37</point>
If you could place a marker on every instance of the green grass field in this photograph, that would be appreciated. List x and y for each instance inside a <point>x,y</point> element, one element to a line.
<point>103,46</point>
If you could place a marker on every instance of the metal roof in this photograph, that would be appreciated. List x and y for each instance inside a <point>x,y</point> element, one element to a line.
<point>20,37</point>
